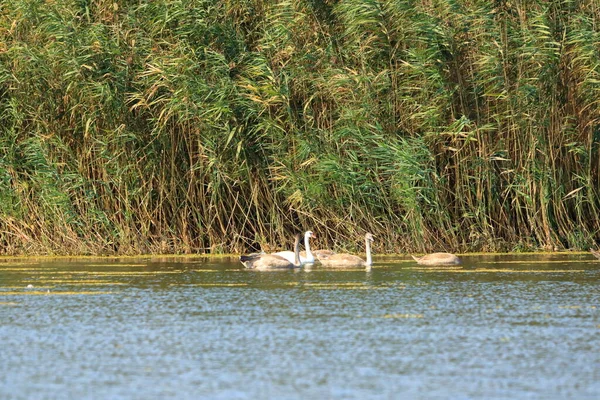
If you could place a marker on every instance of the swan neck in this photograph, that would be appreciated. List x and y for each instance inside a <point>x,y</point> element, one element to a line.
<point>369,261</point>
<point>297,252</point>
<point>307,247</point>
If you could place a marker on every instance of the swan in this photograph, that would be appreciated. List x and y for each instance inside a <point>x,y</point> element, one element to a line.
<point>350,260</point>
<point>306,258</point>
<point>321,254</point>
<point>271,261</point>
<point>438,259</point>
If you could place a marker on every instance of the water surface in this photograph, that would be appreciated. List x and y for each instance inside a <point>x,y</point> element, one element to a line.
<point>498,327</point>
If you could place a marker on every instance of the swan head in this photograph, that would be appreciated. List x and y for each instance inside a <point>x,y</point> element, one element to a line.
<point>369,237</point>
<point>309,234</point>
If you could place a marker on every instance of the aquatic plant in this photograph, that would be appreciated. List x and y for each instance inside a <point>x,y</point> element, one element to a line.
<point>180,126</point>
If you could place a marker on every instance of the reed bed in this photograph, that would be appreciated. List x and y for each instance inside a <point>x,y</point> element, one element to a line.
<point>199,126</point>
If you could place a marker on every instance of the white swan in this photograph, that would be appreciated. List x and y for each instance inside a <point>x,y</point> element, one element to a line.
<point>350,260</point>
<point>271,261</point>
<point>306,258</point>
<point>438,259</point>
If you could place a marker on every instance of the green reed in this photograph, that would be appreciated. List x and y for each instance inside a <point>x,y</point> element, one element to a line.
<point>181,126</point>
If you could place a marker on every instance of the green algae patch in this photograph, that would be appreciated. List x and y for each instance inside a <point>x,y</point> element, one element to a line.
<point>337,286</point>
<point>439,268</point>
<point>27,270</point>
<point>41,286</point>
<point>528,261</point>
<point>576,307</point>
<point>205,270</point>
<point>126,273</point>
<point>496,270</point>
<point>334,284</point>
<point>44,272</point>
<point>404,316</point>
<point>211,284</point>
<point>347,285</point>
<point>117,265</point>
<point>49,293</point>
<point>82,283</point>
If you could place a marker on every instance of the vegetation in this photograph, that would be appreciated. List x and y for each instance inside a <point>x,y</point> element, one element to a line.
<point>220,126</point>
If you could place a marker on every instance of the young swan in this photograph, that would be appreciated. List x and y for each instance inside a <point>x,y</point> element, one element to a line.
<point>438,259</point>
<point>306,258</point>
<point>321,254</point>
<point>270,261</point>
<point>349,260</point>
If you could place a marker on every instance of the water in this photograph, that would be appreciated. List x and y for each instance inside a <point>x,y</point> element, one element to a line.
<point>504,327</point>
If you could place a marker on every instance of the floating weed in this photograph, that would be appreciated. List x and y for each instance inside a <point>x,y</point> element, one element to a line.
<point>443,269</point>
<point>533,271</point>
<point>129,273</point>
<point>46,272</point>
<point>346,288</point>
<point>338,286</point>
<point>85,283</point>
<point>118,265</point>
<point>212,284</point>
<point>25,287</point>
<point>415,316</point>
<point>206,270</point>
<point>116,273</point>
<point>48,293</point>
<point>571,261</point>
<point>14,263</point>
<point>25,270</point>
<point>78,281</point>
<point>334,284</point>
<point>576,307</point>
<point>382,265</point>
<point>345,269</point>
<point>8,303</point>
<point>497,270</point>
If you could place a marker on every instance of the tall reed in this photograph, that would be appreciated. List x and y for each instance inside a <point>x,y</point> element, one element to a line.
<point>186,126</point>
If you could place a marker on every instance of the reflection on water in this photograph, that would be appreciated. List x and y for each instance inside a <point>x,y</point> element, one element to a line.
<point>498,327</point>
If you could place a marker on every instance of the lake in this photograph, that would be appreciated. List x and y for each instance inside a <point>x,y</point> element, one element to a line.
<point>498,327</point>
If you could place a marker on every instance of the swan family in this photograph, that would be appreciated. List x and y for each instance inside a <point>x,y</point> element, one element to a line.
<point>329,259</point>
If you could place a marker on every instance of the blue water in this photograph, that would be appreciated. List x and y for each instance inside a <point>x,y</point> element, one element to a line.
<point>512,327</point>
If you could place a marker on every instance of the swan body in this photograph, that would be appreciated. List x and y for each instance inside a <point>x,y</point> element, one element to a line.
<point>350,260</point>
<point>438,259</point>
<point>260,261</point>
<point>305,257</point>
<point>321,254</point>
<point>318,254</point>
